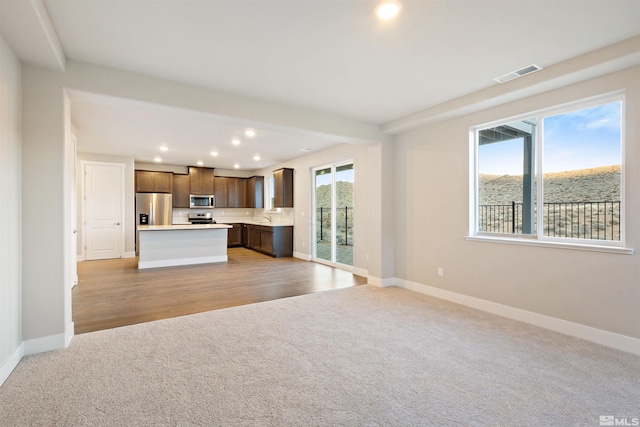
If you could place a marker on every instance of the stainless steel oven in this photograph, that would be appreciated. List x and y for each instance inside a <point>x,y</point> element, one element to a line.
<point>201,218</point>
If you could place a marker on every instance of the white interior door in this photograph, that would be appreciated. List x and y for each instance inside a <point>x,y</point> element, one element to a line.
<point>104,216</point>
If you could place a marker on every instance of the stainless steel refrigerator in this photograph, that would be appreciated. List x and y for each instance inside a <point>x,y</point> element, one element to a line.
<point>154,209</point>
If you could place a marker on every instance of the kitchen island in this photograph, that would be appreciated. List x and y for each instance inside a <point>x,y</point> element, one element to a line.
<point>170,245</point>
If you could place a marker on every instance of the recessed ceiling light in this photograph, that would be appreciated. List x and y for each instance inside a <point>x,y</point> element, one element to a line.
<point>199,163</point>
<point>256,158</point>
<point>163,148</point>
<point>214,153</point>
<point>158,159</point>
<point>387,9</point>
<point>306,149</point>
<point>235,142</point>
<point>250,132</point>
<point>236,166</point>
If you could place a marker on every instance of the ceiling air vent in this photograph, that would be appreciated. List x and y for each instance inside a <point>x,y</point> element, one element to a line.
<point>518,73</point>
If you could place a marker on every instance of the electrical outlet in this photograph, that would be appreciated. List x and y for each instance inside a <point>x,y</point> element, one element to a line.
<point>440,271</point>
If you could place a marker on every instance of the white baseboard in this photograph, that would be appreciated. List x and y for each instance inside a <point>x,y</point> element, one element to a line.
<point>381,283</point>
<point>302,256</point>
<point>355,270</point>
<point>34,346</point>
<point>598,336</point>
<point>10,364</point>
<point>44,344</point>
<point>69,333</point>
<point>360,271</point>
<point>82,258</point>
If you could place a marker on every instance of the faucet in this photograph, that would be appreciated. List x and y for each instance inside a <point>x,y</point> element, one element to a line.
<point>268,218</point>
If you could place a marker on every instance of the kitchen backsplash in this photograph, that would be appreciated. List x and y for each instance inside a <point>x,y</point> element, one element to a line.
<point>180,216</point>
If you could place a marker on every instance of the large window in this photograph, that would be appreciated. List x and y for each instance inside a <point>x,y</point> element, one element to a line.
<point>553,175</point>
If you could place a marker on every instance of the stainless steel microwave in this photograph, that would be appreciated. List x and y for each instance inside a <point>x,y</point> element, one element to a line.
<point>200,202</point>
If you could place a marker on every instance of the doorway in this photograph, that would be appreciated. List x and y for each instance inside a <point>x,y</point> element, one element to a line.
<point>333,214</point>
<point>70,200</point>
<point>103,197</point>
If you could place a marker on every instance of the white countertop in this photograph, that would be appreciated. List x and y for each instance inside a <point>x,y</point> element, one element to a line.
<point>181,227</point>
<point>259,222</point>
<point>244,221</point>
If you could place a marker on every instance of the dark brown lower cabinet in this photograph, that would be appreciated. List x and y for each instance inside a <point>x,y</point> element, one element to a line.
<point>253,236</point>
<point>245,234</point>
<point>274,241</point>
<point>234,235</point>
<point>266,240</point>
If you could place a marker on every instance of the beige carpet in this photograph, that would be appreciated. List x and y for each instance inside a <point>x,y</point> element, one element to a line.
<point>360,356</point>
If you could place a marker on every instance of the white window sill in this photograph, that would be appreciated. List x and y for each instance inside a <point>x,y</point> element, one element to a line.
<point>551,244</point>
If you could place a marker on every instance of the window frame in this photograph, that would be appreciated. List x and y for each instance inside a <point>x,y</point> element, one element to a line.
<point>268,194</point>
<point>538,238</point>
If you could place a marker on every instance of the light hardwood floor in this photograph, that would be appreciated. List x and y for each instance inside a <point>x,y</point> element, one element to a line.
<point>113,293</point>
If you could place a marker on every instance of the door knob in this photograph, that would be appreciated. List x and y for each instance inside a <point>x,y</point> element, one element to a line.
<point>117,223</point>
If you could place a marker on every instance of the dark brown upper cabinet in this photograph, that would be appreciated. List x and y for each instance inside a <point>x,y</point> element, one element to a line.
<point>201,181</point>
<point>283,188</point>
<point>255,192</point>
<point>221,187</point>
<point>237,193</point>
<point>181,191</point>
<point>232,192</point>
<point>154,182</point>
<point>243,199</point>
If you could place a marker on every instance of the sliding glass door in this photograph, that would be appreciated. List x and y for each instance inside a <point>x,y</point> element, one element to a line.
<point>333,213</point>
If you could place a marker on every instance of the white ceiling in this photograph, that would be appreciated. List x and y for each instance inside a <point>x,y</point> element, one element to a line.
<point>109,125</point>
<point>330,56</point>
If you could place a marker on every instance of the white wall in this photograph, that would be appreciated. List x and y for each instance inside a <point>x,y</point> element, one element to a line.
<point>382,223</point>
<point>161,168</point>
<point>10,212</point>
<point>599,290</point>
<point>185,170</point>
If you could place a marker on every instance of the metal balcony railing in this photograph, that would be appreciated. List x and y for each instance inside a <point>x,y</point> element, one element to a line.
<point>576,220</point>
<point>344,225</point>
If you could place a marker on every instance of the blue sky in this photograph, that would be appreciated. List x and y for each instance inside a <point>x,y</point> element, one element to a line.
<point>581,139</point>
